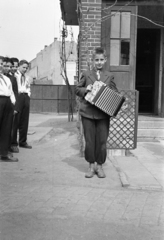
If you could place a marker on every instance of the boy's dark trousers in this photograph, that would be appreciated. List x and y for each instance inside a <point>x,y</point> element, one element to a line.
<point>96,132</point>
<point>21,120</point>
<point>6,117</point>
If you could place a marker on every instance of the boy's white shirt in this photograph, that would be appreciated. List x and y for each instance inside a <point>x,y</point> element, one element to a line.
<point>25,87</point>
<point>6,88</point>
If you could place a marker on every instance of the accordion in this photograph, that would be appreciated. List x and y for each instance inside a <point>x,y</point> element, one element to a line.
<point>105,98</point>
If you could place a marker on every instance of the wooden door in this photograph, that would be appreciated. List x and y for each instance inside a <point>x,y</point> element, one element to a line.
<point>119,29</point>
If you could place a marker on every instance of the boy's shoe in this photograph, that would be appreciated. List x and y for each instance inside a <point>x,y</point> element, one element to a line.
<point>10,153</point>
<point>14,149</point>
<point>8,158</point>
<point>100,172</point>
<point>91,171</point>
<point>26,145</point>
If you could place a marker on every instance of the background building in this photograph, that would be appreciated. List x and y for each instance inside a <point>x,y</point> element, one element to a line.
<point>46,67</point>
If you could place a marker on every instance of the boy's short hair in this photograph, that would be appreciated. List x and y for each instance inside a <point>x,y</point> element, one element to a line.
<point>7,60</point>
<point>1,57</point>
<point>13,59</point>
<point>23,62</point>
<point>99,50</point>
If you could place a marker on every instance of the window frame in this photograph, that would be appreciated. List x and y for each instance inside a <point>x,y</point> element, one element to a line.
<point>120,39</point>
<point>133,27</point>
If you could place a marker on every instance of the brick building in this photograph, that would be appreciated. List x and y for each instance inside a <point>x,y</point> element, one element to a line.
<point>133,34</point>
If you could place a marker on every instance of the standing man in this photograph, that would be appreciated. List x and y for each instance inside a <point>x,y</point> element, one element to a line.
<point>21,123</point>
<point>7,65</point>
<point>7,100</point>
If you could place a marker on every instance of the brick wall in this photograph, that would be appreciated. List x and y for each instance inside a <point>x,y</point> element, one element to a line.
<point>90,26</point>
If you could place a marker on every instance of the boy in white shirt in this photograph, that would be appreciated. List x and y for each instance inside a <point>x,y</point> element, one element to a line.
<point>22,118</point>
<point>7,100</point>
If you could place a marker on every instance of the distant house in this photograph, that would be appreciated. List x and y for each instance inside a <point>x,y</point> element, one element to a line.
<point>133,34</point>
<point>46,67</point>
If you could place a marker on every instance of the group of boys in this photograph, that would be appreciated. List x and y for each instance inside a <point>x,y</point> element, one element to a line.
<point>14,107</point>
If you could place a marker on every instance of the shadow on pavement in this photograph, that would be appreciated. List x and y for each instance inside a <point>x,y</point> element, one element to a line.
<point>76,162</point>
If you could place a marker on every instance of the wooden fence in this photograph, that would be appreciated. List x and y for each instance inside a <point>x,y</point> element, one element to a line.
<point>50,98</point>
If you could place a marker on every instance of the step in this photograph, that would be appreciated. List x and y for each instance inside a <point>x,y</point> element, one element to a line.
<point>151,133</point>
<point>150,127</point>
<point>150,124</point>
<point>149,118</point>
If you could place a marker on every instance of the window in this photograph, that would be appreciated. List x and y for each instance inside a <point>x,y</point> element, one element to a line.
<point>120,38</point>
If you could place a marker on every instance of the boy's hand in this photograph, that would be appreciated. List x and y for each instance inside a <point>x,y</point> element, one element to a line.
<point>89,88</point>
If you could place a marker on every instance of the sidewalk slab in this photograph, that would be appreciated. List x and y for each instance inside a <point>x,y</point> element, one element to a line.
<point>39,125</point>
<point>35,134</point>
<point>144,168</point>
<point>138,176</point>
<point>38,118</point>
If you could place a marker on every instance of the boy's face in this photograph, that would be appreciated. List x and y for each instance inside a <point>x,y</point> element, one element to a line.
<point>99,61</point>
<point>23,68</point>
<point>14,67</point>
<point>7,67</point>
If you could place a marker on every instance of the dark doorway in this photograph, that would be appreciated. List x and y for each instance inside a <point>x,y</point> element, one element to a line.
<point>147,69</point>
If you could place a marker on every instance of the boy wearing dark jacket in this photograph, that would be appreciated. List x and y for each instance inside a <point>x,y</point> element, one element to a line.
<point>95,122</point>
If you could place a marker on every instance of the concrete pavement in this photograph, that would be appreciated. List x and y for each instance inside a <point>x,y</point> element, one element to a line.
<point>46,197</point>
<point>143,168</point>
<point>41,124</point>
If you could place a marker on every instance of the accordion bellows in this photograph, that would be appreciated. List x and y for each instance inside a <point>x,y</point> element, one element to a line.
<point>105,98</point>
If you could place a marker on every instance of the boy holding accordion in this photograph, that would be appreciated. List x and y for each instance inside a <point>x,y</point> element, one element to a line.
<point>95,122</point>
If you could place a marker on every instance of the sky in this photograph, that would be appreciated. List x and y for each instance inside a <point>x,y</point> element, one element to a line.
<point>26,26</point>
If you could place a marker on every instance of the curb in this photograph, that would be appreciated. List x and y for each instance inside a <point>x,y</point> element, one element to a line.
<point>125,182</point>
<point>33,135</point>
<point>122,175</point>
<point>147,188</point>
